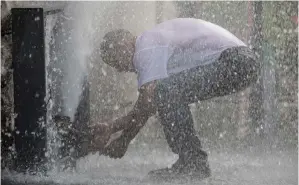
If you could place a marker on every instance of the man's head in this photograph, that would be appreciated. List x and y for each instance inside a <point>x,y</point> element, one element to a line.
<point>117,50</point>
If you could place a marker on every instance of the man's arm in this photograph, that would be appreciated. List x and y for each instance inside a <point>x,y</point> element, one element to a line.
<point>143,109</point>
<point>130,124</point>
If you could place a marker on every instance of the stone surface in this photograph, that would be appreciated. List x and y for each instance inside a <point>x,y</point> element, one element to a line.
<point>231,168</point>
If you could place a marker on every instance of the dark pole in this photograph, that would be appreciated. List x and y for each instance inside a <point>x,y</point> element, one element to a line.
<point>28,60</point>
<point>256,94</point>
<point>7,140</point>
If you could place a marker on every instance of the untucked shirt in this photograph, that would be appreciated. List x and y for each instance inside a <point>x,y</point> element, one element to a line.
<point>177,45</point>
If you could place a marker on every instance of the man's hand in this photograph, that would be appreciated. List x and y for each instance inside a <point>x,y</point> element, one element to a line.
<point>127,126</point>
<point>118,147</point>
<point>133,122</point>
<point>100,136</point>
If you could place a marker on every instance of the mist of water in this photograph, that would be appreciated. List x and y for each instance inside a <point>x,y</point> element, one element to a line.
<point>67,46</point>
<point>76,50</point>
<point>69,40</point>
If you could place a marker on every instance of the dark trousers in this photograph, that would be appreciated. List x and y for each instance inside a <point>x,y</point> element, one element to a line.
<point>234,71</point>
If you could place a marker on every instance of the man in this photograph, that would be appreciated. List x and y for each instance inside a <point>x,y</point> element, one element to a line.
<point>178,62</point>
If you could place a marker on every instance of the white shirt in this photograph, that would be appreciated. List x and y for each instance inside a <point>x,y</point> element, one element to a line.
<point>177,45</point>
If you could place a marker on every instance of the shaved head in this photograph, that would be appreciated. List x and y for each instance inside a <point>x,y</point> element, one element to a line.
<point>117,49</point>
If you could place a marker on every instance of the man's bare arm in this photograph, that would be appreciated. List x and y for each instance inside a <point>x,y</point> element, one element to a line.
<point>130,124</point>
<point>143,109</point>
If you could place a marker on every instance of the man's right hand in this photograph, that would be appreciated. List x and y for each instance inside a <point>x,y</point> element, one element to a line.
<point>129,124</point>
<point>118,148</point>
<point>100,134</point>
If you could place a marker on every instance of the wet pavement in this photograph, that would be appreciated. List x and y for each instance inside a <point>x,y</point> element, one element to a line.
<point>231,168</point>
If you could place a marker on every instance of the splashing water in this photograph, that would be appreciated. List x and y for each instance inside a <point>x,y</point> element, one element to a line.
<point>77,49</point>
<point>69,44</point>
<point>79,23</point>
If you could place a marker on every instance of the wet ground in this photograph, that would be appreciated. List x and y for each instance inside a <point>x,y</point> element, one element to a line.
<point>231,168</point>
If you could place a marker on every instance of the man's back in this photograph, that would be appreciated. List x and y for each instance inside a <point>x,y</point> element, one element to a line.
<point>179,44</point>
<point>183,31</point>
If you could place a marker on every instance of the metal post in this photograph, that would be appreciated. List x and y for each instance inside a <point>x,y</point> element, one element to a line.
<point>28,60</point>
<point>256,94</point>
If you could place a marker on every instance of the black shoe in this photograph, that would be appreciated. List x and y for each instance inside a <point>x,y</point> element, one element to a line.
<point>190,168</point>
